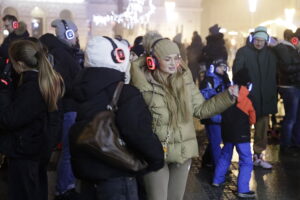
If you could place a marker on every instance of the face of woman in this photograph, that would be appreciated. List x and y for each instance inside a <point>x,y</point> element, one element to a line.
<point>170,63</point>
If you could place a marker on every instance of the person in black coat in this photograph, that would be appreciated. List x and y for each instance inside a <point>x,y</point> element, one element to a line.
<point>93,90</point>
<point>194,52</point>
<point>215,46</point>
<point>65,63</point>
<point>23,118</point>
<point>17,30</point>
<point>235,126</point>
<point>289,89</point>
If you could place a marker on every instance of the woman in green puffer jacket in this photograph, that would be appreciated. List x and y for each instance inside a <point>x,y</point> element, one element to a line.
<point>173,99</point>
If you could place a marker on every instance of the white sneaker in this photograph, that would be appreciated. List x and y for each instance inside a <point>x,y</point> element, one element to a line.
<point>258,161</point>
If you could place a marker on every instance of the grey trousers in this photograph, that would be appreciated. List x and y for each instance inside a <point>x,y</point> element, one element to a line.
<point>168,183</point>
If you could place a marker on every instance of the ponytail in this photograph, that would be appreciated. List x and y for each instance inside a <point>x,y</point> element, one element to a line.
<point>50,82</point>
<point>33,56</point>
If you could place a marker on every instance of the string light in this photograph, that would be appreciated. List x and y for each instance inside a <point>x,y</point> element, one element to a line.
<point>134,14</point>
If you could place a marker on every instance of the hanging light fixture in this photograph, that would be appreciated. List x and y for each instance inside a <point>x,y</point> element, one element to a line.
<point>135,13</point>
<point>252,5</point>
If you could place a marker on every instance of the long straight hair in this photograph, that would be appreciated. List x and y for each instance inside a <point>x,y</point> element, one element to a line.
<point>176,95</point>
<point>33,57</point>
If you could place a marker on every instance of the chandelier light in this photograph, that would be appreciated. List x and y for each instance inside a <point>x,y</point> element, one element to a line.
<point>134,14</point>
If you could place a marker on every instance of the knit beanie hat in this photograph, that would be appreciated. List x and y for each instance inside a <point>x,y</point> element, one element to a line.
<point>60,28</point>
<point>162,48</point>
<point>261,32</point>
<point>98,54</point>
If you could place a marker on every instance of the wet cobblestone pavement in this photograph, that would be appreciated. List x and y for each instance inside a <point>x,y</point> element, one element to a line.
<point>280,183</point>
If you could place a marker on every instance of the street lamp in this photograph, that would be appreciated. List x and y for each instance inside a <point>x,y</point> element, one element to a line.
<point>252,5</point>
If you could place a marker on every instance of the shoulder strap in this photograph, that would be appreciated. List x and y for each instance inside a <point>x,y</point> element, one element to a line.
<point>113,104</point>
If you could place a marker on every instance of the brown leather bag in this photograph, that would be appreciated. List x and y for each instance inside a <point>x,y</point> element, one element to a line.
<point>101,138</point>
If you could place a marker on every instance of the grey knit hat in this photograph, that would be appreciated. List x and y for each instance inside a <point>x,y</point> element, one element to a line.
<point>60,28</point>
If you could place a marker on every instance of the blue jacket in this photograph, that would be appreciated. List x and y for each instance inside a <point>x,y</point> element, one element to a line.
<point>209,87</point>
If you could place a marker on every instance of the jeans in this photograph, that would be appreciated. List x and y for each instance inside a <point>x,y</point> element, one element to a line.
<point>65,176</point>
<point>291,121</point>
<point>123,188</point>
<point>213,132</point>
<point>245,165</point>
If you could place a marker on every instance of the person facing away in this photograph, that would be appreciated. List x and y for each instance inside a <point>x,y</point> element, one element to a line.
<point>261,61</point>
<point>216,81</point>
<point>289,89</point>
<point>173,99</point>
<point>63,47</point>
<point>23,119</point>
<point>215,46</point>
<point>194,52</point>
<point>236,122</point>
<point>93,90</point>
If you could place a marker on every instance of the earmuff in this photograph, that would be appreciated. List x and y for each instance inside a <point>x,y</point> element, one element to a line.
<point>217,63</point>
<point>117,54</point>
<point>251,36</point>
<point>15,24</point>
<point>69,33</point>
<point>151,60</point>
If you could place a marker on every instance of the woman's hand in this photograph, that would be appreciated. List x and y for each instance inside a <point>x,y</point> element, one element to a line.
<point>234,91</point>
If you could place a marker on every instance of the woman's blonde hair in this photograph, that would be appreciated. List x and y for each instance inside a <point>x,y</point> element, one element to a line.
<point>176,95</point>
<point>32,55</point>
<point>174,84</point>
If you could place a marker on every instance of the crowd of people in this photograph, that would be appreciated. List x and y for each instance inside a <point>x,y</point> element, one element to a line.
<point>51,90</point>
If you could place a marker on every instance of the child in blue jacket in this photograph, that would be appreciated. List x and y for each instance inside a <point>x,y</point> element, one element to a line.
<point>216,80</point>
<point>236,122</point>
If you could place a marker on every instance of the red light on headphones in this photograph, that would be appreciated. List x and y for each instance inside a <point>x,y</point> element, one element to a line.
<point>120,55</point>
<point>294,40</point>
<point>15,24</point>
<point>4,81</point>
<point>150,63</point>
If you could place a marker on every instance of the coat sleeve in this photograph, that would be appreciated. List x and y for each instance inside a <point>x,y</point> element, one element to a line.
<point>24,108</point>
<point>202,108</point>
<point>135,124</point>
<point>238,62</point>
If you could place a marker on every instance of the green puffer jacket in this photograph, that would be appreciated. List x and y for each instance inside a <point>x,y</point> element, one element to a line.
<point>182,143</point>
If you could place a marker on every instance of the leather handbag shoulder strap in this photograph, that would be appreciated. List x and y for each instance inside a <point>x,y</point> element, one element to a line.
<point>113,104</point>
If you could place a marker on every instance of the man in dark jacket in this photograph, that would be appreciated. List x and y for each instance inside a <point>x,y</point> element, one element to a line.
<point>93,89</point>
<point>289,89</point>
<point>17,30</point>
<point>62,47</point>
<point>261,61</point>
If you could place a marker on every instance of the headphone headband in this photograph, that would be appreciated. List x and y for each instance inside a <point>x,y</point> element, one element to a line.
<point>117,54</point>
<point>153,45</point>
<point>65,24</point>
<point>112,42</point>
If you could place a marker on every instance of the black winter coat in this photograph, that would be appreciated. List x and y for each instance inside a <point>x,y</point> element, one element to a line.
<point>214,49</point>
<point>93,89</point>
<point>235,126</point>
<point>289,71</point>
<point>11,37</point>
<point>262,66</point>
<point>23,119</point>
<point>65,64</point>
